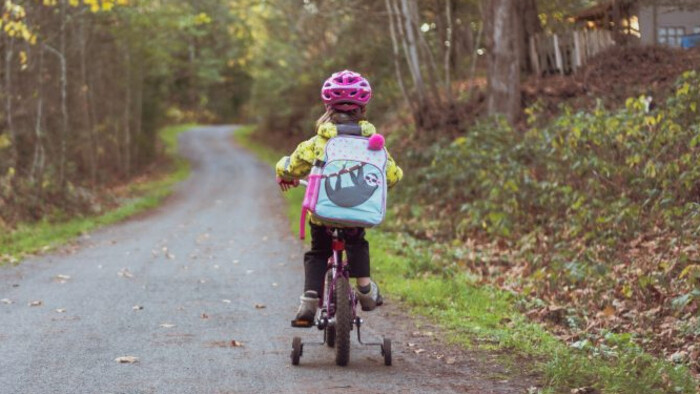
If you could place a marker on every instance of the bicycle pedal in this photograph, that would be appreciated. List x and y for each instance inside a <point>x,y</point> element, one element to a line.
<point>302,324</point>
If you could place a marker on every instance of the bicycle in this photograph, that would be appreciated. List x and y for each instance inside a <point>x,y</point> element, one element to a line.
<point>336,314</point>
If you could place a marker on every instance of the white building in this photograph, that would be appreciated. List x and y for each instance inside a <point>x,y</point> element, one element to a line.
<point>666,25</point>
<point>651,22</point>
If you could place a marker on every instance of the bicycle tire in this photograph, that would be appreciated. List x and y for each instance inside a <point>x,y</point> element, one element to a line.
<point>296,350</point>
<point>386,351</point>
<point>328,332</point>
<point>343,322</point>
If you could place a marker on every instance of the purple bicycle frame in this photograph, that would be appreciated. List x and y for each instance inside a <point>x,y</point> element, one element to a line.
<point>339,268</point>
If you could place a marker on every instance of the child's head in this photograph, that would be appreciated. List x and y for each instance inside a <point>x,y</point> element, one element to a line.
<point>345,94</point>
<point>346,90</point>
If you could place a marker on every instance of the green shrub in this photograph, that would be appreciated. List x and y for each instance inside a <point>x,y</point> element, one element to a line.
<point>601,177</point>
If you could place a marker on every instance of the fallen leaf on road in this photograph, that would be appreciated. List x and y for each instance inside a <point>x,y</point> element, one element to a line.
<point>411,344</point>
<point>62,277</point>
<point>450,360</point>
<point>419,351</point>
<point>235,261</point>
<point>137,307</point>
<point>124,273</point>
<point>226,301</point>
<point>61,310</point>
<point>127,359</point>
<point>260,306</point>
<point>167,325</point>
<point>6,301</point>
<point>235,343</point>
<point>36,303</point>
<point>170,256</point>
<point>205,316</point>
<point>202,281</point>
<point>202,238</point>
<point>275,284</point>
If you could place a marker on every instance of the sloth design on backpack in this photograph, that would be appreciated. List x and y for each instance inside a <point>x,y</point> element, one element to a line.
<point>362,189</point>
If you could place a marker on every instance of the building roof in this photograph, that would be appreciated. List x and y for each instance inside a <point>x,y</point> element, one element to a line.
<point>600,10</point>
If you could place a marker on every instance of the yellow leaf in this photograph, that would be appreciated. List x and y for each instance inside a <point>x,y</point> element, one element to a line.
<point>691,270</point>
<point>202,19</point>
<point>4,141</point>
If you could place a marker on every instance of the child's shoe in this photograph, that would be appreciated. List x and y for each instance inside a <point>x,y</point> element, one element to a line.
<point>307,308</point>
<point>369,297</point>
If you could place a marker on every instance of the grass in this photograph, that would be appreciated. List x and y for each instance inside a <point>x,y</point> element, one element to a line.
<point>483,317</point>
<point>30,238</point>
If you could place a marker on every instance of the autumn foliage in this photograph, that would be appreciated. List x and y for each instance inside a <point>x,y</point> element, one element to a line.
<point>84,86</point>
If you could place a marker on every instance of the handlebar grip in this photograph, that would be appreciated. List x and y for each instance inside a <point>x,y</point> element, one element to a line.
<point>302,224</point>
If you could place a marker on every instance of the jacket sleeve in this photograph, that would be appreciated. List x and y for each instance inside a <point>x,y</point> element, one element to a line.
<point>298,164</point>
<point>394,173</point>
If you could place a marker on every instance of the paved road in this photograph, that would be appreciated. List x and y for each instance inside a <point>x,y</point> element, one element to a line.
<point>197,266</point>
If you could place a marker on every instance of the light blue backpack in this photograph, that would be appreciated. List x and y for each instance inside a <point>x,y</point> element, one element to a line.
<point>348,188</point>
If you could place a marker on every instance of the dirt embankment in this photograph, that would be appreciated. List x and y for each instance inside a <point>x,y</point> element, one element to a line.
<point>613,76</point>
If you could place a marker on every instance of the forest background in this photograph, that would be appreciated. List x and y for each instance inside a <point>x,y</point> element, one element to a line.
<point>561,190</point>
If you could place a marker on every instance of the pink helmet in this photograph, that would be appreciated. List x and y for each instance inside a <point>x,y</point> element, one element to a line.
<point>346,90</point>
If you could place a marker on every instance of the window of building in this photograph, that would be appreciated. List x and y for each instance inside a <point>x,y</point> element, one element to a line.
<point>671,35</point>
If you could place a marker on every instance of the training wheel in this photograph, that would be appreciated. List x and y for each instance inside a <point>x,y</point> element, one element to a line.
<point>386,351</point>
<point>296,350</point>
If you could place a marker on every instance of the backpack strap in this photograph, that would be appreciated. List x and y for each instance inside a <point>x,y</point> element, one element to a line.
<point>349,129</point>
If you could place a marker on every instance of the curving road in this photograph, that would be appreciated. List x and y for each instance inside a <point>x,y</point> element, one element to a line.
<point>174,287</point>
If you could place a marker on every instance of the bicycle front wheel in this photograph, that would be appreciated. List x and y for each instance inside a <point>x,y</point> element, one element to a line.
<point>343,321</point>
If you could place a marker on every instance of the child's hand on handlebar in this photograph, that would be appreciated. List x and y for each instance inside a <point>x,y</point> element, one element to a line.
<point>287,185</point>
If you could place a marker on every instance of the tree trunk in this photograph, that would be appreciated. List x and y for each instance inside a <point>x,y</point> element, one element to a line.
<point>64,97</point>
<point>9,53</point>
<point>397,64</point>
<point>475,58</point>
<point>138,116</point>
<point>127,118</point>
<point>504,66</point>
<point>448,51</point>
<point>427,56</point>
<point>86,110</point>
<point>37,172</point>
<point>529,25</point>
<point>411,50</point>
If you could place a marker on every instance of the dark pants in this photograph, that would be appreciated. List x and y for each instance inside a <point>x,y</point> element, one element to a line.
<point>316,259</point>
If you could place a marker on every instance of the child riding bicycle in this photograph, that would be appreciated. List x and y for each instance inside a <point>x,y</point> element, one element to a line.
<point>345,95</point>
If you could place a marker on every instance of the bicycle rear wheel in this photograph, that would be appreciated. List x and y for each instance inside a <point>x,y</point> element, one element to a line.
<point>343,321</point>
